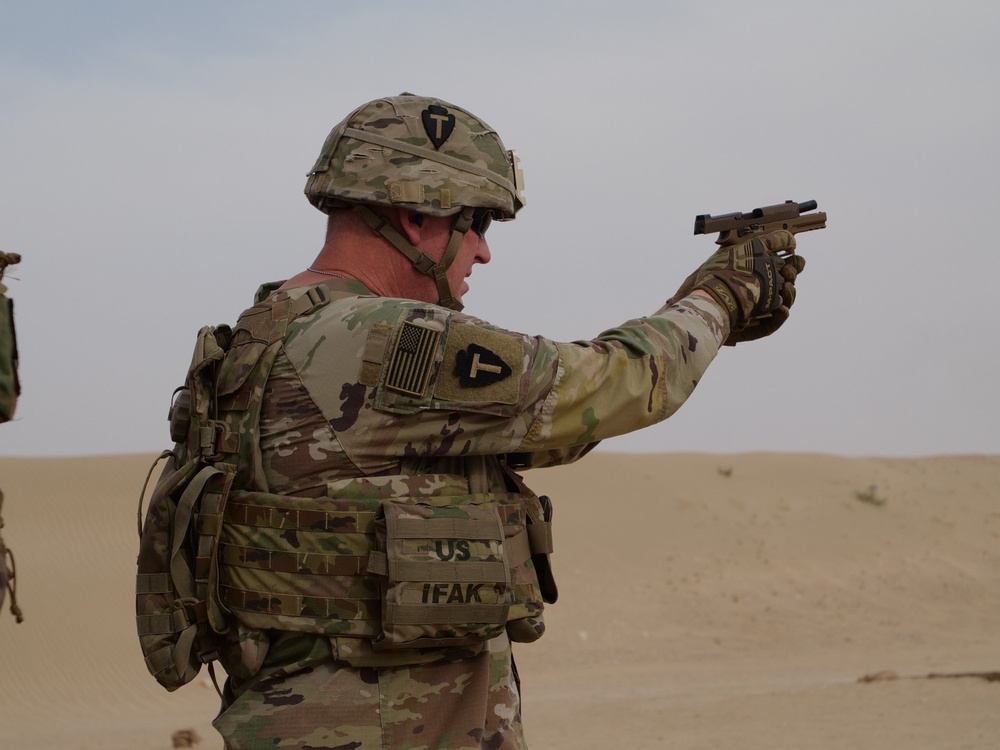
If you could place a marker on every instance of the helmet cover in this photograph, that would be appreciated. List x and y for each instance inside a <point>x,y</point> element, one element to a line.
<point>418,153</point>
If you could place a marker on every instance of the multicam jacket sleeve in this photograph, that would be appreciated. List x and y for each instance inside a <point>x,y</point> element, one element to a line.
<point>366,382</point>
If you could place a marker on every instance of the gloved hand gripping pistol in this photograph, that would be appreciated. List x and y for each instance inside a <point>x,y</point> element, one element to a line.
<point>753,273</point>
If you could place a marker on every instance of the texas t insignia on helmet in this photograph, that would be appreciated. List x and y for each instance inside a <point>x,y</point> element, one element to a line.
<point>424,155</point>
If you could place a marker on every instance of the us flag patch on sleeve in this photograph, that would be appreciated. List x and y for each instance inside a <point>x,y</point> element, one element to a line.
<point>412,359</point>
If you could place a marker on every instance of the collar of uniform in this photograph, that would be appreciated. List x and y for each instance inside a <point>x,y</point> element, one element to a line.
<point>333,284</point>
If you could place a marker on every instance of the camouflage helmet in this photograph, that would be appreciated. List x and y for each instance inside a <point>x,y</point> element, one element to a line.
<point>418,153</point>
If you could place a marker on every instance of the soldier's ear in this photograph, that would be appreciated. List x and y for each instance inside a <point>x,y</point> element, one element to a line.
<point>412,225</point>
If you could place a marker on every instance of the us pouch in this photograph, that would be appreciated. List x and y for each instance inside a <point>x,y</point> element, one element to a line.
<point>443,570</point>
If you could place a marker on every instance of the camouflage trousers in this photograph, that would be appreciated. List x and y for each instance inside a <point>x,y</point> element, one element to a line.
<point>323,703</point>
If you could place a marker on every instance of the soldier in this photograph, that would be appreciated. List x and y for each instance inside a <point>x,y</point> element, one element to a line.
<point>9,390</point>
<point>391,553</point>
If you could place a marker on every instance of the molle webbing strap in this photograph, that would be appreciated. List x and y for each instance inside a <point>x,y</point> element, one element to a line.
<point>175,622</point>
<point>286,516</point>
<point>270,320</point>
<point>180,573</point>
<point>331,564</point>
<point>265,575</point>
<point>434,156</point>
<point>466,572</point>
<point>445,614</point>
<point>518,549</point>
<point>153,583</point>
<point>206,527</point>
<point>540,538</point>
<point>160,661</point>
<point>447,528</point>
<point>332,609</point>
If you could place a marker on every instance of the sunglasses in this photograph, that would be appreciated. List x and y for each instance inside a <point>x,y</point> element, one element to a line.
<point>481,220</point>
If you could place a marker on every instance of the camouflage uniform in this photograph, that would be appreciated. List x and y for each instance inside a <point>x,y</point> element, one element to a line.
<point>9,391</point>
<point>372,552</point>
<point>367,387</point>
<point>342,525</point>
<point>10,388</point>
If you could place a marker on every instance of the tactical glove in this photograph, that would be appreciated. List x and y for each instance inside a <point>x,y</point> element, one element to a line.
<point>765,325</point>
<point>753,281</point>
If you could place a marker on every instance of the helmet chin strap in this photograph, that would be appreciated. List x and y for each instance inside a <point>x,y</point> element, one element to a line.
<point>437,270</point>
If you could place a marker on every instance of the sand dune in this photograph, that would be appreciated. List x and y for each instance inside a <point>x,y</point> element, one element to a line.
<point>731,601</point>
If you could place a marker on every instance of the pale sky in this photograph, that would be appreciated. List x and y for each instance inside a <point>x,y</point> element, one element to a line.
<point>153,156</point>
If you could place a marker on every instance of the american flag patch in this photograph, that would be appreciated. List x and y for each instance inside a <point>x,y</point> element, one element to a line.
<point>412,359</point>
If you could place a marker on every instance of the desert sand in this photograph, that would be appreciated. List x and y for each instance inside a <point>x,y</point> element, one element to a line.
<point>706,601</point>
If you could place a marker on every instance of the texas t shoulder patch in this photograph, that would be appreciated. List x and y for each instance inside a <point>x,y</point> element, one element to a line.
<point>480,365</point>
<point>477,367</point>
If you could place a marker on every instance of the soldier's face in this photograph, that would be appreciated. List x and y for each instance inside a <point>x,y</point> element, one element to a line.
<point>473,250</point>
<point>431,236</point>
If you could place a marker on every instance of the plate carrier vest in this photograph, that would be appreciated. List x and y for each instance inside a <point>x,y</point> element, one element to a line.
<point>217,548</point>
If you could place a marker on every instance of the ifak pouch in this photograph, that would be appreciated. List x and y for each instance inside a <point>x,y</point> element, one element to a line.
<point>443,571</point>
